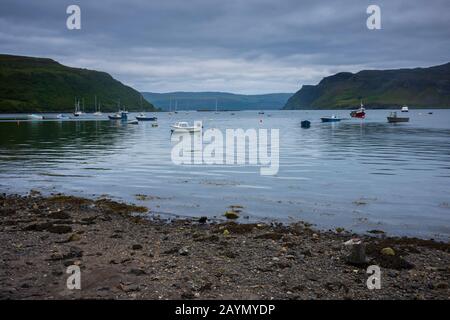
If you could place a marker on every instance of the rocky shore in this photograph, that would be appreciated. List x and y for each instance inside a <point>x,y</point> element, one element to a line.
<point>123,255</point>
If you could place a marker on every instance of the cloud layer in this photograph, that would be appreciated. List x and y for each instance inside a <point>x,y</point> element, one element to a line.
<point>250,46</point>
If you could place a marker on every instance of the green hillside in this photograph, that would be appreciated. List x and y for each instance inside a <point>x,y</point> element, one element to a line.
<point>43,85</point>
<point>225,100</point>
<point>417,88</point>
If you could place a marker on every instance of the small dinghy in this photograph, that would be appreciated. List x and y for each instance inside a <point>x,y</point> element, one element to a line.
<point>333,118</point>
<point>185,127</point>
<point>393,118</point>
<point>305,124</point>
<point>143,117</point>
<point>133,122</point>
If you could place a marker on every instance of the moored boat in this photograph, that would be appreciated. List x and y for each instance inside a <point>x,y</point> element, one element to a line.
<point>143,117</point>
<point>77,111</point>
<point>359,113</point>
<point>393,118</point>
<point>185,127</point>
<point>97,112</point>
<point>121,115</point>
<point>35,117</point>
<point>62,116</point>
<point>405,109</point>
<point>115,116</point>
<point>333,118</point>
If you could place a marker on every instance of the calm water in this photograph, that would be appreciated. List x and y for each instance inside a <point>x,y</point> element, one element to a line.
<point>360,175</point>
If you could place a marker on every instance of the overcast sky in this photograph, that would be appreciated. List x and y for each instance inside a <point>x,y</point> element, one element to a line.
<point>242,46</point>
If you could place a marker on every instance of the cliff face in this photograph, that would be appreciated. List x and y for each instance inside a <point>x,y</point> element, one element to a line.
<point>419,87</point>
<point>30,84</point>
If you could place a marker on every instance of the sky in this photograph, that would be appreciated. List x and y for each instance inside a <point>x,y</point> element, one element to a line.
<point>240,46</point>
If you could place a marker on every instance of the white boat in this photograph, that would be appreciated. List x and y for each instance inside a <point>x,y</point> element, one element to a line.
<point>35,117</point>
<point>185,127</point>
<point>62,116</point>
<point>405,109</point>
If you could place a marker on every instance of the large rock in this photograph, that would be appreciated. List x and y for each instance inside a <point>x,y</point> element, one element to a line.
<point>231,215</point>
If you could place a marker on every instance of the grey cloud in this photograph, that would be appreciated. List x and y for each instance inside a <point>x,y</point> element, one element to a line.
<point>247,46</point>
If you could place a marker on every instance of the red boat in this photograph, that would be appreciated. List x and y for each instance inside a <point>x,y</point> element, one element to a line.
<point>360,113</point>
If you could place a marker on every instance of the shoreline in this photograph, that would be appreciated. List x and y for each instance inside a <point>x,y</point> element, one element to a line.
<point>232,110</point>
<point>125,256</point>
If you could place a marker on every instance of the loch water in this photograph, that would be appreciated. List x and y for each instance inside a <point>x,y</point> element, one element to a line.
<point>357,174</point>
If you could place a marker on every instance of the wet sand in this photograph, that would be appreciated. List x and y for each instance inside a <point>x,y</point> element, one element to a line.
<point>125,256</point>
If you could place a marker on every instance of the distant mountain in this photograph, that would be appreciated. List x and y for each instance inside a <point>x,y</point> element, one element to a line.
<point>225,101</point>
<point>30,84</point>
<point>417,88</point>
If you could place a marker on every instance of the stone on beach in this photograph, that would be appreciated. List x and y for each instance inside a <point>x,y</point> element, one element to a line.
<point>357,255</point>
<point>388,251</point>
<point>231,215</point>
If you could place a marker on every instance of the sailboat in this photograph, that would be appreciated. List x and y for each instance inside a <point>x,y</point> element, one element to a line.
<point>216,107</point>
<point>77,111</point>
<point>97,111</point>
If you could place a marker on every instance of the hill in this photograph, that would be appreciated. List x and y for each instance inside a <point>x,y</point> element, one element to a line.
<point>417,88</point>
<point>225,101</point>
<point>30,84</point>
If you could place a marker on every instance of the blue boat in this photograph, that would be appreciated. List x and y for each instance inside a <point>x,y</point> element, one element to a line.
<point>330,119</point>
<point>305,124</point>
<point>143,117</point>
